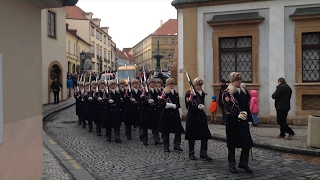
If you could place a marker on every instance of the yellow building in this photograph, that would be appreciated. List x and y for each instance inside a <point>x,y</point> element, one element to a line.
<point>89,30</point>
<point>166,35</point>
<point>21,75</point>
<point>74,45</point>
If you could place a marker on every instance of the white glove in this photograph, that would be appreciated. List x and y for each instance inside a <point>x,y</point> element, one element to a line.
<point>78,96</point>
<point>170,105</point>
<point>180,113</point>
<point>99,99</point>
<point>110,101</point>
<point>132,100</point>
<point>90,98</point>
<point>201,106</point>
<point>150,101</point>
<point>158,97</point>
<point>243,115</point>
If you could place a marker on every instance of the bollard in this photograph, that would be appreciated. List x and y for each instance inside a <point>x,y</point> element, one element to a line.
<point>314,131</point>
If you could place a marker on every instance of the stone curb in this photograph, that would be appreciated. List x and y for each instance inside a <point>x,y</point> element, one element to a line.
<point>66,159</point>
<point>278,147</point>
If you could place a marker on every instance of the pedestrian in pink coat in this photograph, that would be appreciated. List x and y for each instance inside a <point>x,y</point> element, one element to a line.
<point>254,106</point>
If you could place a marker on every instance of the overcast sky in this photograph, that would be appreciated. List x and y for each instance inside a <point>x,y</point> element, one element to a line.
<point>129,21</point>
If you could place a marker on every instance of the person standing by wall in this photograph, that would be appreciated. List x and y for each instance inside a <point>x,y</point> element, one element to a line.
<point>254,106</point>
<point>282,97</point>
<point>56,86</point>
<point>213,109</point>
<point>69,85</point>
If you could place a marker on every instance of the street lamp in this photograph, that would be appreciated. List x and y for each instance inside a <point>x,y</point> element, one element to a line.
<point>158,56</point>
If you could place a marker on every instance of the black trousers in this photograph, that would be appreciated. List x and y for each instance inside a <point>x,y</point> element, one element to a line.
<point>244,157</point>
<point>177,140</point>
<point>282,121</point>
<point>116,133</point>
<point>155,133</point>
<point>56,96</point>
<point>203,149</point>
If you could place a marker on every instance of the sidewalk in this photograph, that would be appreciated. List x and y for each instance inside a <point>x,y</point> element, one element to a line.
<point>264,136</point>
<point>57,163</point>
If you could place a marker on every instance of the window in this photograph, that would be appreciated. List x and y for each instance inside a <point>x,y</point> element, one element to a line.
<point>104,54</point>
<point>74,49</point>
<point>97,51</point>
<point>310,57</point>
<point>92,31</point>
<point>100,52</point>
<point>165,40</point>
<point>92,49</point>
<point>51,24</point>
<point>68,46</point>
<point>157,40</point>
<point>108,55</point>
<point>104,39</point>
<point>172,41</point>
<point>236,55</point>
<point>97,34</point>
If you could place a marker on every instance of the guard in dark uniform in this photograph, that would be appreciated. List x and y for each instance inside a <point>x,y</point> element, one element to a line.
<point>92,103</point>
<point>196,121</point>
<point>86,107</point>
<point>112,113</point>
<point>101,103</point>
<point>150,115</point>
<point>122,91</point>
<point>133,108</point>
<point>79,102</point>
<point>170,121</point>
<point>160,88</point>
<point>237,127</point>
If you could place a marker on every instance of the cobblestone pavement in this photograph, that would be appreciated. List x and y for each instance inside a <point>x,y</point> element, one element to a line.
<point>51,168</point>
<point>132,160</point>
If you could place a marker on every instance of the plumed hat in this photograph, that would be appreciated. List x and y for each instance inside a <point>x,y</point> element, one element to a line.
<point>170,81</point>
<point>111,82</point>
<point>87,84</point>
<point>198,81</point>
<point>158,80</point>
<point>101,82</point>
<point>151,80</point>
<point>134,81</point>
<point>122,82</point>
<point>80,83</point>
<point>235,76</point>
<point>93,82</point>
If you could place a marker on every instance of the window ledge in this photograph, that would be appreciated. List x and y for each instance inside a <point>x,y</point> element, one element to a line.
<point>307,84</point>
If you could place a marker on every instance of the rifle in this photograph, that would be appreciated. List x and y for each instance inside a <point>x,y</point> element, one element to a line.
<point>145,84</point>
<point>97,79</point>
<point>90,82</point>
<point>192,86</point>
<point>129,86</point>
<point>231,99</point>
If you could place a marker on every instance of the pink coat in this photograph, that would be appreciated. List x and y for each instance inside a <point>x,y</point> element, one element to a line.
<point>254,102</point>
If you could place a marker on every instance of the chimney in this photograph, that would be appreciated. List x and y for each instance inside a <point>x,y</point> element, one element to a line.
<point>161,23</point>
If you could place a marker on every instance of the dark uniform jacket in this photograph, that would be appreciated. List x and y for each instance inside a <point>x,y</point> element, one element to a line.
<point>282,97</point>
<point>150,113</point>
<point>91,105</point>
<point>133,108</point>
<point>100,106</point>
<point>112,111</point>
<point>237,130</point>
<point>170,121</point>
<point>196,121</point>
<point>80,103</point>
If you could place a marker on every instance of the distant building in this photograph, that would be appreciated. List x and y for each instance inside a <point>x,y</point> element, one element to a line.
<point>123,59</point>
<point>89,30</point>
<point>264,40</point>
<point>166,35</point>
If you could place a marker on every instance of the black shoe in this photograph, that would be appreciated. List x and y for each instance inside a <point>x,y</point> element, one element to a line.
<point>178,148</point>
<point>192,157</point>
<point>118,140</point>
<point>206,157</point>
<point>108,139</point>
<point>98,133</point>
<point>83,127</point>
<point>233,169</point>
<point>79,123</point>
<point>158,143</point>
<point>145,143</point>
<point>166,149</point>
<point>141,137</point>
<point>90,130</point>
<point>246,168</point>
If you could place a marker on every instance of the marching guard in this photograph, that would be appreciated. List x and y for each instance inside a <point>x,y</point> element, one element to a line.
<point>170,121</point>
<point>78,95</point>
<point>86,107</point>
<point>150,114</point>
<point>196,121</point>
<point>92,101</point>
<point>122,91</point>
<point>112,113</point>
<point>133,99</point>
<point>101,103</point>
<point>237,127</point>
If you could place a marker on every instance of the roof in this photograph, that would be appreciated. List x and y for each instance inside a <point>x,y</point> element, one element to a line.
<point>306,11</point>
<point>126,50</point>
<point>168,28</point>
<point>74,12</point>
<point>236,17</point>
<point>122,55</point>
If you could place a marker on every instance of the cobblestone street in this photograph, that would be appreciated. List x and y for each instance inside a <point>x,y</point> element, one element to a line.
<point>133,160</point>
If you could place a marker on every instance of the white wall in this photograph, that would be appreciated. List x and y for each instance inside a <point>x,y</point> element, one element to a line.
<point>1,102</point>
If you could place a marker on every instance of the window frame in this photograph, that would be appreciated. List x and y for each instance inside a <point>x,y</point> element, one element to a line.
<point>50,13</point>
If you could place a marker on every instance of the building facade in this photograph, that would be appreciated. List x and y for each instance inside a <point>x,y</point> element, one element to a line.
<point>21,104</point>
<point>123,59</point>
<point>53,40</point>
<point>89,29</point>
<point>264,40</point>
<point>74,46</point>
<point>161,41</point>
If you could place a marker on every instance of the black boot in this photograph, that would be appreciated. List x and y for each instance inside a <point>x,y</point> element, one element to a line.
<point>90,126</point>
<point>192,157</point>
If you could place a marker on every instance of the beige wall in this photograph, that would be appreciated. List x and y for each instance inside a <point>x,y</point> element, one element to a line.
<point>53,52</point>
<point>21,150</point>
<point>82,27</point>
